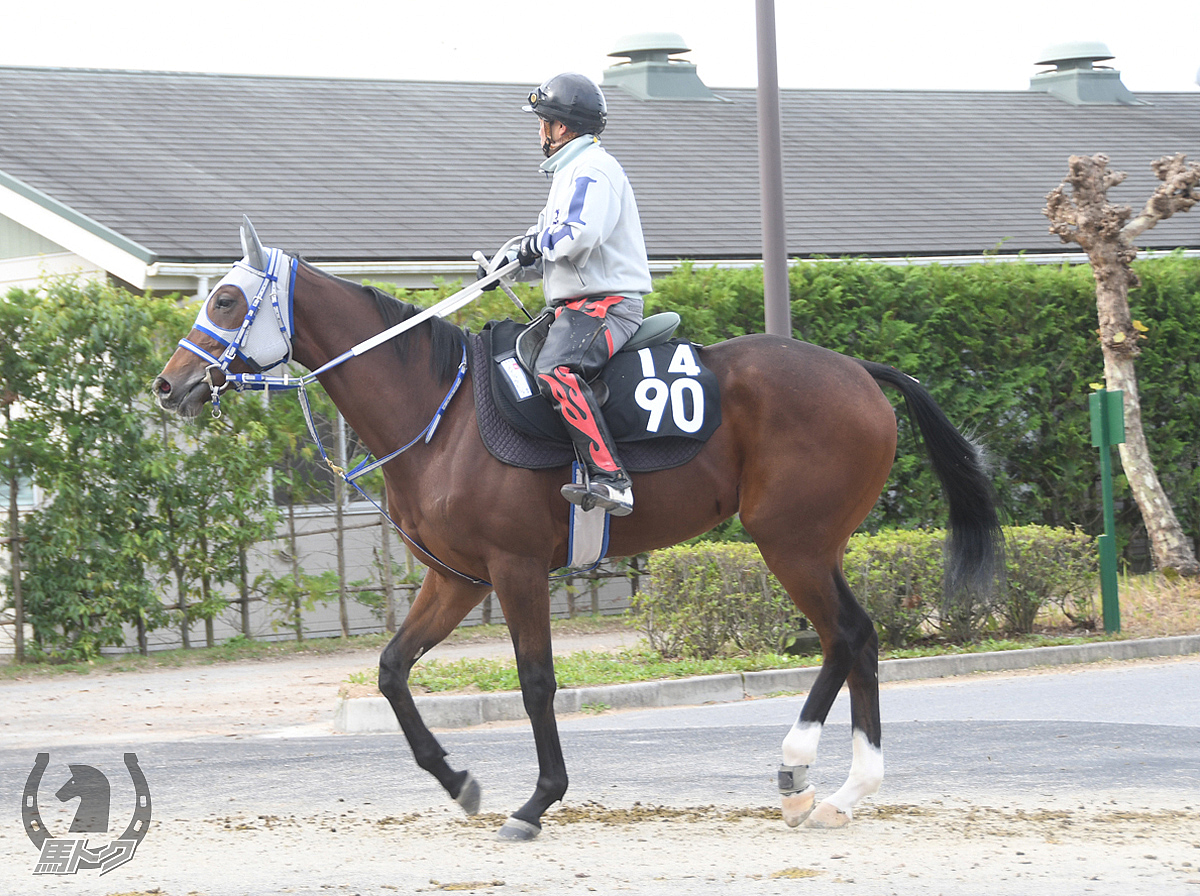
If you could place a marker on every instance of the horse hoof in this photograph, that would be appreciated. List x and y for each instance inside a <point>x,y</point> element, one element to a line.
<point>798,806</point>
<point>827,817</point>
<point>468,797</point>
<point>516,829</point>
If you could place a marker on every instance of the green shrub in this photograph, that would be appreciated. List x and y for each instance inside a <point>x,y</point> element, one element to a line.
<point>1049,567</point>
<point>708,599</point>
<point>897,577</point>
<point>711,598</point>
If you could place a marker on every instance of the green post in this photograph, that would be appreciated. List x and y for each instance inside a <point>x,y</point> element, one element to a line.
<point>1108,429</point>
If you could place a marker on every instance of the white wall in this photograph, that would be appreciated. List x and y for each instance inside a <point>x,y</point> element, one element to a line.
<point>29,271</point>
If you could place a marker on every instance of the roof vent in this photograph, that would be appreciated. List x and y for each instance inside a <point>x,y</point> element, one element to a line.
<point>651,74</point>
<point>1075,78</point>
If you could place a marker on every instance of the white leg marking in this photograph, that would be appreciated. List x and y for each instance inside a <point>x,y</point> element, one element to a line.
<point>800,745</point>
<point>866,774</point>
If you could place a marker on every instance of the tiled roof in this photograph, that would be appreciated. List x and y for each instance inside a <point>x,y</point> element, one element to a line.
<point>409,170</point>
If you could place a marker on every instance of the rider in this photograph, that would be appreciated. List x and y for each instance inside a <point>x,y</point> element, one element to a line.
<point>589,250</point>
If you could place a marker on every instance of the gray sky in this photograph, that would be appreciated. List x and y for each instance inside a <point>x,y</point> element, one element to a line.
<point>922,44</point>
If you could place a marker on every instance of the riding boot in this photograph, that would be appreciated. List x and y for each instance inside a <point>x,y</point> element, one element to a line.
<point>607,484</point>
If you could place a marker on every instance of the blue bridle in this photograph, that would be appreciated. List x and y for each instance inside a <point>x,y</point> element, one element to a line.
<point>269,347</point>
<point>261,347</point>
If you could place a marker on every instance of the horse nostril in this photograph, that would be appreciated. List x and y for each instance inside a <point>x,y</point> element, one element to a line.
<point>162,386</point>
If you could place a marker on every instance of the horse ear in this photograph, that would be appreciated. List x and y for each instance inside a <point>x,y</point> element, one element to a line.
<point>256,255</point>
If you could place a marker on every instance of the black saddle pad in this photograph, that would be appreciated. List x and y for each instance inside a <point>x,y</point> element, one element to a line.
<point>663,405</point>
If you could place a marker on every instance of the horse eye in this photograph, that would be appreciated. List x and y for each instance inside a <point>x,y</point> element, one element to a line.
<point>223,302</point>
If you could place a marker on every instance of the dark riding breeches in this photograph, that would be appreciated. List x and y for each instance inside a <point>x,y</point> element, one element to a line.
<point>577,347</point>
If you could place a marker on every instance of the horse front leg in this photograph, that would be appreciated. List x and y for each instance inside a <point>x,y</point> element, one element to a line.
<point>525,598</point>
<point>440,605</point>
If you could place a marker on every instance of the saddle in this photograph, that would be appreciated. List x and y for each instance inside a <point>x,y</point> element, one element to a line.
<point>660,401</point>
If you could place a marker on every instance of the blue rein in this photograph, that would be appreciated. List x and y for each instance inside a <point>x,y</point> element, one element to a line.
<point>368,464</point>
<point>258,380</point>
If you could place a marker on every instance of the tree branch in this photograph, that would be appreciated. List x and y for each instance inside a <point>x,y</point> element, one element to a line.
<point>1178,192</point>
<point>1079,212</point>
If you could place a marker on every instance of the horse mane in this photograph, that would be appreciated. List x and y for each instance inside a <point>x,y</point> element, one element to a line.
<point>446,341</point>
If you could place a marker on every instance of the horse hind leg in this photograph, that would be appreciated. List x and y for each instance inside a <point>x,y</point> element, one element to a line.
<point>866,765</point>
<point>850,656</point>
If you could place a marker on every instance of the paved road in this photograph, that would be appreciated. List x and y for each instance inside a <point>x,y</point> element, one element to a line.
<point>1124,735</point>
<point>1110,725</point>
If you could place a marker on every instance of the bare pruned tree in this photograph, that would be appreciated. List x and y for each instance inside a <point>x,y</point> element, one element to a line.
<point>1079,212</point>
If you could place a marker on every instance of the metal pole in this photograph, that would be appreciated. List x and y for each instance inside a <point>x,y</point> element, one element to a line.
<point>1108,429</point>
<point>244,591</point>
<point>339,499</point>
<point>778,312</point>
<point>297,603</point>
<point>385,552</point>
<point>14,547</point>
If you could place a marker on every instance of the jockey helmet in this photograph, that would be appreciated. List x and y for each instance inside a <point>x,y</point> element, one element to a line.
<point>573,99</point>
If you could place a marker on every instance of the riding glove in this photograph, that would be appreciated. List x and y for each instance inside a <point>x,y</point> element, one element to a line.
<point>529,251</point>
<point>480,273</point>
<point>498,262</point>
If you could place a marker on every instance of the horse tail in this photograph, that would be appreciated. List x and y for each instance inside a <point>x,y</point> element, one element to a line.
<point>975,546</point>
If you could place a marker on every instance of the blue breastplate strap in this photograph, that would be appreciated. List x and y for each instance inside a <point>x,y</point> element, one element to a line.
<point>368,463</point>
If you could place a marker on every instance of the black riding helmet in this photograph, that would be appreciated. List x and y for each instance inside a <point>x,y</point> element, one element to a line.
<point>573,99</point>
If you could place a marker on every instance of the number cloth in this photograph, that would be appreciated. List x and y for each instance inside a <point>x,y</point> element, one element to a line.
<point>660,391</point>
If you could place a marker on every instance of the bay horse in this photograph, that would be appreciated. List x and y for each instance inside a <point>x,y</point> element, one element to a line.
<point>805,446</point>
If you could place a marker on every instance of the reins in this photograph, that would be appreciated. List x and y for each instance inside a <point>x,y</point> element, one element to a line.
<point>368,464</point>
<point>269,282</point>
<point>259,380</point>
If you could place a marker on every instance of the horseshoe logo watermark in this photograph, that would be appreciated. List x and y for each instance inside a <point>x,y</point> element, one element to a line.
<point>68,855</point>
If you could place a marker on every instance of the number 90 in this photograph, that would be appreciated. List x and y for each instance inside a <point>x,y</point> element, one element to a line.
<point>685,397</point>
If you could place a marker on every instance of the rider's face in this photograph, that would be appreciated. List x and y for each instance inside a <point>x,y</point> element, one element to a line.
<point>552,135</point>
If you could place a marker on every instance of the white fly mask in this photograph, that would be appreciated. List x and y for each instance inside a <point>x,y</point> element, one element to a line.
<point>264,339</point>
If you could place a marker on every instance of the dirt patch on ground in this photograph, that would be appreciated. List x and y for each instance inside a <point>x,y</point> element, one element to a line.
<point>1154,607</point>
<point>942,847</point>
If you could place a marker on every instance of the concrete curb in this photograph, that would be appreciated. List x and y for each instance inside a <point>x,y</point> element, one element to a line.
<point>361,715</point>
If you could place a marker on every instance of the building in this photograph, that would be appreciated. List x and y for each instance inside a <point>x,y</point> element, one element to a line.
<point>145,175</point>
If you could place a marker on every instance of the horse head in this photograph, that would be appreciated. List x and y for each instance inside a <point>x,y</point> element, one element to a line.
<point>230,338</point>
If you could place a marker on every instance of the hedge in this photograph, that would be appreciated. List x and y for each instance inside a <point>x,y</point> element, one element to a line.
<point>706,599</point>
<point>711,598</point>
<point>1009,351</point>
